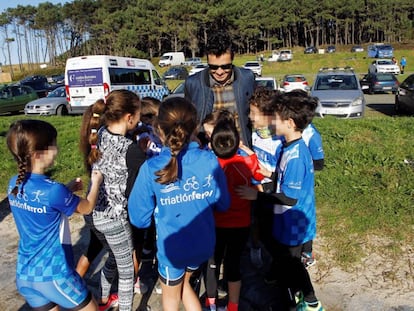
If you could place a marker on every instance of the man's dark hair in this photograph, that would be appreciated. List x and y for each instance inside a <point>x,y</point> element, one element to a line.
<point>219,43</point>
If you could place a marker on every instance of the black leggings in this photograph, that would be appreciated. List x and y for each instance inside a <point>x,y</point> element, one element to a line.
<point>230,244</point>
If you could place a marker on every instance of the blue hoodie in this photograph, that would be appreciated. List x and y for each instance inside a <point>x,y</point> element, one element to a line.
<point>183,210</point>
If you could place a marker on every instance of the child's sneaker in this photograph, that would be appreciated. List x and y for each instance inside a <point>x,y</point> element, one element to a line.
<point>308,259</point>
<point>157,288</point>
<point>256,257</point>
<point>112,302</point>
<point>306,306</point>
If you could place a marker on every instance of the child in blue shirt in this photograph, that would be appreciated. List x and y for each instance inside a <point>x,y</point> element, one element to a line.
<point>294,220</point>
<point>181,187</point>
<point>45,273</point>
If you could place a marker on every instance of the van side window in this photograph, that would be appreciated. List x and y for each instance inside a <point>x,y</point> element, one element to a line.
<point>129,76</point>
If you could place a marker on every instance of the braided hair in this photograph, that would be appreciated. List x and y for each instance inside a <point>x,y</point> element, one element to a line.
<point>23,139</point>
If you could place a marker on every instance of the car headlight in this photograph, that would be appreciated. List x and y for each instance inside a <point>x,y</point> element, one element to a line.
<point>358,101</point>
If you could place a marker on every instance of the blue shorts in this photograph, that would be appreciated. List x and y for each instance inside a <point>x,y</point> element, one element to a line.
<point>172,276</point>
<point>70,293</point>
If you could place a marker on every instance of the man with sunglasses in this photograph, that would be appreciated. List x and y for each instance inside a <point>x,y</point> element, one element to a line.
<point>222,85</point>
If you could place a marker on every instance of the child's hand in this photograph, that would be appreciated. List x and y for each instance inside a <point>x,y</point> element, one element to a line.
<point>96,177</point>
<point>245,148</point>
<point>75,185</point>
<point>245,192</point>
<point>262,170</point>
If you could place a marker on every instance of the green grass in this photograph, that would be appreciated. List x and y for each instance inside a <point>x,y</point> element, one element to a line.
<point>365,189</point>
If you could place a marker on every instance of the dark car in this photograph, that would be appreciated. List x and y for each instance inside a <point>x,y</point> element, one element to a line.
<point>13,98</point>
<point>176,72</point>
<point>404,98</point>
<point>331,49</point>
<point>379,82</point>
<point>357,48</point>
<point>40,84</point>
<point>311,50</point>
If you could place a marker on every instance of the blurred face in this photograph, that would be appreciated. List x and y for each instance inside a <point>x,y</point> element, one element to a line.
<point>283,127</point>
<point>259,119</point>
<point>220,67</point>
<point>208,129</point>
<point>46,158</point>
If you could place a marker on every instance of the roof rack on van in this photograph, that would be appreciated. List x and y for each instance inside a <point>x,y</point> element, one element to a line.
<point>346,68</point>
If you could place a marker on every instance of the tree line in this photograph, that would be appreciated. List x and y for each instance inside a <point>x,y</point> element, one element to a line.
<point>147,28</point>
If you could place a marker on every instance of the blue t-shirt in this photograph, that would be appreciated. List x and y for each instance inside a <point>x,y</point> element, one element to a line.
<point>183,209</point>
<point>313,140</point>
<point>40,213</point>
<point>295,225</point>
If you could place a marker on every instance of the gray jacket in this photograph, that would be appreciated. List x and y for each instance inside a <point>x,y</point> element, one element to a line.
<point>197,90</point>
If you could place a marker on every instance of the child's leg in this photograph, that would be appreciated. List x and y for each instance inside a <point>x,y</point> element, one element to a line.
<point>210,282</point>
<point>94,248</point>
<point>190,299</point>
<point>171,296</point>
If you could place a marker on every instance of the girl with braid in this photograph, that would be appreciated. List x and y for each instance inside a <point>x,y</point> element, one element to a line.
<point>105,127</point>
<point>45,274</point>
<point>182,186</point>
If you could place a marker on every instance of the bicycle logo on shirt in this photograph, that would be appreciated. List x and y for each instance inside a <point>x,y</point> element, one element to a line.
<point>191,183</point>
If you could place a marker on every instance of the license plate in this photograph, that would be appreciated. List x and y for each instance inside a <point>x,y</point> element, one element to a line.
<point>387,88</point>
<point>333,111</point>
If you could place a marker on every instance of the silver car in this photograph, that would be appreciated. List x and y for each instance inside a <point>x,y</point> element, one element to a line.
<point>53,104</point>
<point>339,93</point>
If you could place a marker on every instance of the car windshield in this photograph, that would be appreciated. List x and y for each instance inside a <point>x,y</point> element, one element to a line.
<point>336,82</point>
<point>252,64</point>
<point>385,77</point>
<point>385,62</point>
<point>384,47</point>
<point>295,79</point>
<point>59,92</point>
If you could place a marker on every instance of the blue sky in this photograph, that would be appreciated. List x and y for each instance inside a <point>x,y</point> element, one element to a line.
<point>5,4</point>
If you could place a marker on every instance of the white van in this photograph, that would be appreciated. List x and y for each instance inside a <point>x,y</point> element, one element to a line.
<point>171,59</point>
<point>89,78</point>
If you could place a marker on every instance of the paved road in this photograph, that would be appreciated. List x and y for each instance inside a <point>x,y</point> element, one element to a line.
<point>380,104</point>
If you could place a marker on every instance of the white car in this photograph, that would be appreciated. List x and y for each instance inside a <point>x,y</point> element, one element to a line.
<point>254,66</point>
<point>197,68</point>
<point>285,55</point>
<point>294,82</point>
<point>267,82</point>
<point>384,66</point>
<point>274,57</point>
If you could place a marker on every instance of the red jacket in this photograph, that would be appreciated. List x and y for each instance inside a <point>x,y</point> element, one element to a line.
<point>239,170</point>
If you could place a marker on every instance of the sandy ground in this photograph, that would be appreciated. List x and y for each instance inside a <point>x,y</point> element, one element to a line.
<point>379,283</point>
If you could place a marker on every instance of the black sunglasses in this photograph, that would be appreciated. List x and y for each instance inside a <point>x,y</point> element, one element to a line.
<point>224,67</point>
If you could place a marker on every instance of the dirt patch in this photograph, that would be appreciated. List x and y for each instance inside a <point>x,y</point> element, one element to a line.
<point>379,282</point>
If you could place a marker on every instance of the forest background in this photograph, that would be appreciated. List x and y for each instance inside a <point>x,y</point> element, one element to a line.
<point>145,29</point>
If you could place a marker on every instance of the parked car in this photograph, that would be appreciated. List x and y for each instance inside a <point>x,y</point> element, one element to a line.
<point>339,93</point>
<point>285,55</point>
<point>56,79</point>
<point>198,68</point>
<point>254,66</point>
<point>311,50</point>
<point>53,104</point>
<point>379,82</point>
<point>294,82</point>
<point>176,72</point>
<point>404,98</point>
<point>357,48</point>
<point>39,84</point>
<point>267,82</point>
<point>192,61</point>
<point>380,50</point>
<point>331,49</point>
<point>13,98</point>
<point>178,91</point>
<point>274,57</point>
<point>384,65</point>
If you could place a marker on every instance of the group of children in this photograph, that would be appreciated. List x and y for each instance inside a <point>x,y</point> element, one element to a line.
<point>156,189</point>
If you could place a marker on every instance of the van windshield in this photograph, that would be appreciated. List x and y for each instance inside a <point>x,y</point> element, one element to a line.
<point>129,76</point>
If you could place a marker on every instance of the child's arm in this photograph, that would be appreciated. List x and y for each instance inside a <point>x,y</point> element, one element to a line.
<point>86,206</point>
<point>249,193</point>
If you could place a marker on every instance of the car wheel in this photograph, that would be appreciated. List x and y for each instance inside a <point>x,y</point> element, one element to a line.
<point>61,111</point>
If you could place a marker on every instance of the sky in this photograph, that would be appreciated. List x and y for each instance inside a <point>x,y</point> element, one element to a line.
<point>5,4</point>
